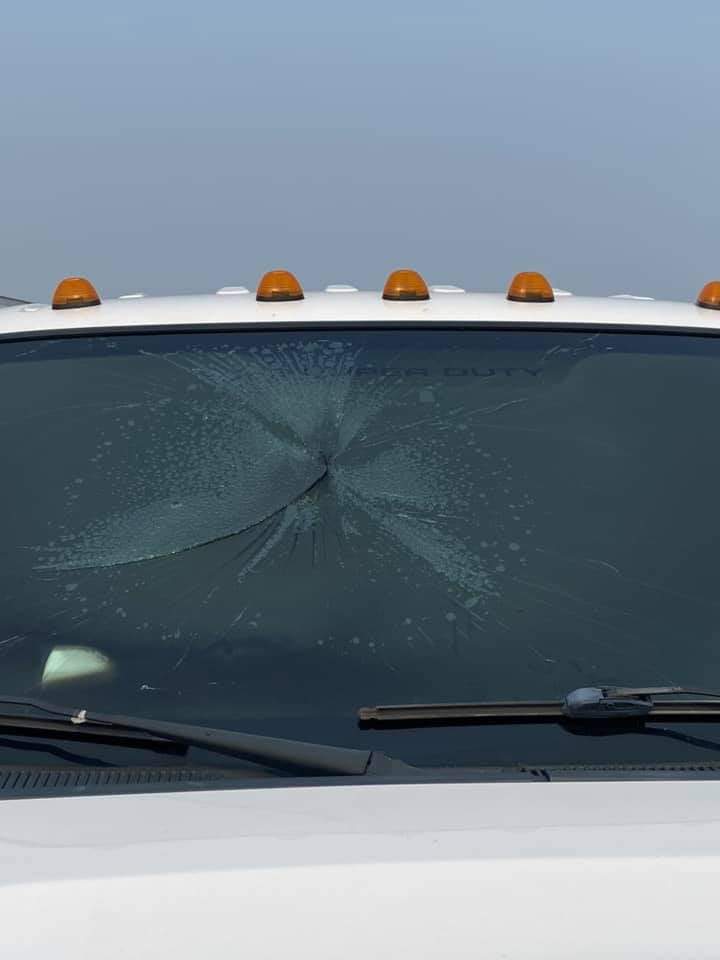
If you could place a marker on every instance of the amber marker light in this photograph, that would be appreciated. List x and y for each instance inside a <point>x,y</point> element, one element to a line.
<point>709,296</point>
<point>278,285</point>
<point>405,285</point>
<point>75,292</point>
<point>530,287</point>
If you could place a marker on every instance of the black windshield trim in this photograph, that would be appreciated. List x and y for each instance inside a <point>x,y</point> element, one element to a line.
<point>305,326</point>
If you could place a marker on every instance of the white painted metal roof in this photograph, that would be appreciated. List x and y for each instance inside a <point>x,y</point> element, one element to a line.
<point>360,308</point>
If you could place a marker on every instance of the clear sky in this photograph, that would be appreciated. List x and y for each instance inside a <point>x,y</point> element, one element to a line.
<point>167,146</point>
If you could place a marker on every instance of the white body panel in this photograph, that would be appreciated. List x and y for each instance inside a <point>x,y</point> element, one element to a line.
<point>352,308</point>
<point>516,871</point>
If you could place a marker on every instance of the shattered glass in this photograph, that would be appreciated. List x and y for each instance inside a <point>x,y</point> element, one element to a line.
<point>271,524</point>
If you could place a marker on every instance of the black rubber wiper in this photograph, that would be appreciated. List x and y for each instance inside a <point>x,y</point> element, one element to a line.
<point>584,704</point>
<point>293,756</point>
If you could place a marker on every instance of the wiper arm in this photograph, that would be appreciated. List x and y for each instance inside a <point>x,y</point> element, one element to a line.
<point>290,755</point>
<point>586,703</point>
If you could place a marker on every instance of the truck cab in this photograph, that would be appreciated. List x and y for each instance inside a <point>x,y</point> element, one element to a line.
<point>350,622</point>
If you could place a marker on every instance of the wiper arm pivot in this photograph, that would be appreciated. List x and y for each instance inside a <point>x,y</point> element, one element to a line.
<point>604,703</point>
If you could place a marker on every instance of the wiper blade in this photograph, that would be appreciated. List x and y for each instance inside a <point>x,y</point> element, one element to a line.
<point>586,703</point>
<point>290,755</point>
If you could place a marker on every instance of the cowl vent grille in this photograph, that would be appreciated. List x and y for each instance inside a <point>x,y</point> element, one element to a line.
<point>70,781</point>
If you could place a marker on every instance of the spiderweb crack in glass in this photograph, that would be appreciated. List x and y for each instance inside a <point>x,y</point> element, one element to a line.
<point>286,439</point>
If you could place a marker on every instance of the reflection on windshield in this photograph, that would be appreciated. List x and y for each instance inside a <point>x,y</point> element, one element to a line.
<point>259,524</point>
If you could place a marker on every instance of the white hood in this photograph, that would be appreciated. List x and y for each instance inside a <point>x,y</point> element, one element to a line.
<point>481,871</point>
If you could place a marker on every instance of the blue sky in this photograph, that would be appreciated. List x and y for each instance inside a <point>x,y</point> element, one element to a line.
<point>175,147</point>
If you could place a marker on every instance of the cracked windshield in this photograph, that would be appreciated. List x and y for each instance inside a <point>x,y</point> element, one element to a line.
<point>266,530</point>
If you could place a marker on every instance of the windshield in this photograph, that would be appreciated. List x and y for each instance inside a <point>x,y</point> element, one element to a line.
<point>266,530</point>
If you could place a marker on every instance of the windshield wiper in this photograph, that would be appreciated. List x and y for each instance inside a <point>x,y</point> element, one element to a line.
<point>584,704</point>
<point>293,756</point>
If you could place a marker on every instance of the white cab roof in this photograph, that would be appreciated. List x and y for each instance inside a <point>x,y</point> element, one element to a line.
<point>348,309</point>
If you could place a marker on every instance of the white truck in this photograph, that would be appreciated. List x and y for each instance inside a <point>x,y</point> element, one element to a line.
<point>345,624</point>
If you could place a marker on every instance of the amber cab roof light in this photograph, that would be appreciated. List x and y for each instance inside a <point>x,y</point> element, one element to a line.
<point>75,292</point>
<point>405,285</point>
<point>709,296</point>
<point>279,285</point>
<point>530,287</point>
